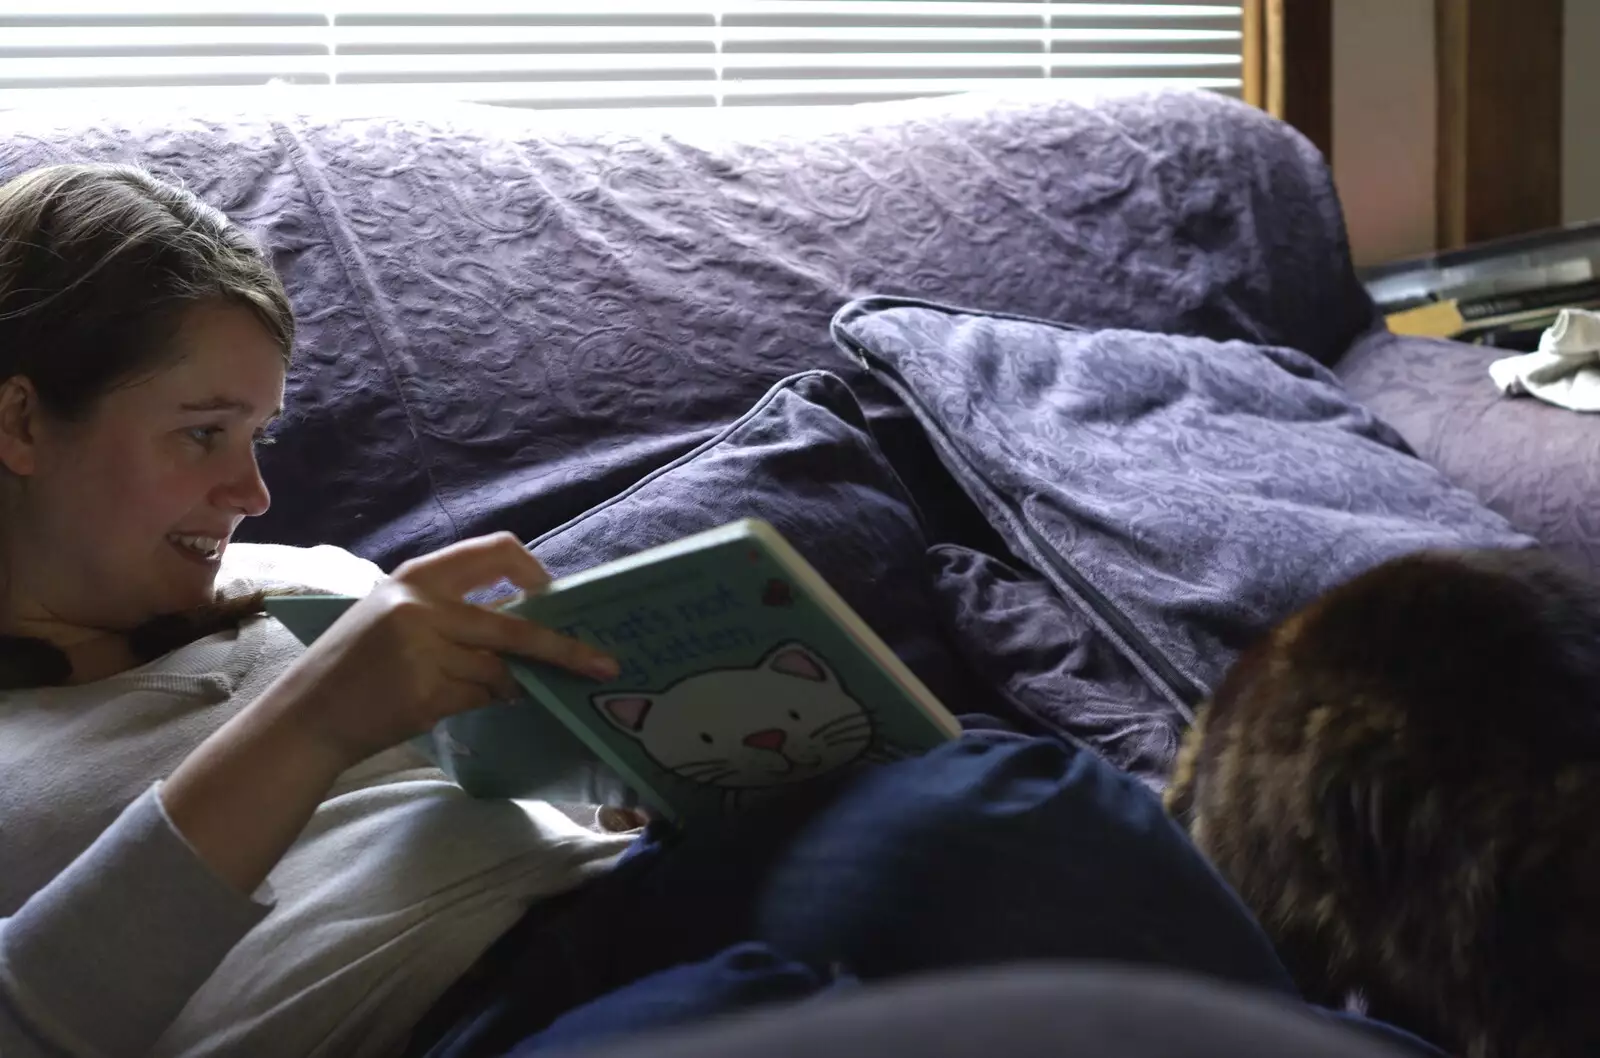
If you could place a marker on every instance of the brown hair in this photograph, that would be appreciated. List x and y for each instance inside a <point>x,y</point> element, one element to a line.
<point>98,264</point>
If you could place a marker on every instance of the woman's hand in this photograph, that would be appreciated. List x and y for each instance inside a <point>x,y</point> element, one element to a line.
<point>413,652</point>
<point>398,661</point>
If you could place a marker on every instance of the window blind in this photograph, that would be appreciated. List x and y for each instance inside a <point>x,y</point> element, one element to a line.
<point>605,53</point>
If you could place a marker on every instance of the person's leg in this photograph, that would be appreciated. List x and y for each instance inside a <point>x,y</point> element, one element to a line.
<point>675,900</point>
<point>981,851</point>
<point>1029,1012</point>
<point>993,852</point>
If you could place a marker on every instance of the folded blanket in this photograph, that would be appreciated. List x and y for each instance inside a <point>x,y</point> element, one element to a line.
<point>1565,370</point>
<point>1181,495</point>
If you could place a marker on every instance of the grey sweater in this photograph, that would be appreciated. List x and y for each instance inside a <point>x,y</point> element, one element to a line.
<point>120,941</point>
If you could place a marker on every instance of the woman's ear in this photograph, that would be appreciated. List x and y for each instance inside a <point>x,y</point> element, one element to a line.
<point>19,420</point>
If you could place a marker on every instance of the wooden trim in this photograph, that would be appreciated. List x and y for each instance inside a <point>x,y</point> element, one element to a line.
<point>1450,150</point>
<point>1276,61</point>
<point>1295,43</point>
<point>1254,90</point>
<point>1499,77</point>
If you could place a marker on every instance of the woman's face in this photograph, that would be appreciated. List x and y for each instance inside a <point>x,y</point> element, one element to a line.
<point>125,515</point>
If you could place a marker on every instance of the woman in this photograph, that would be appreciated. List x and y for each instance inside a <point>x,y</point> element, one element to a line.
<point>145,343</point>
<point>209,842</point>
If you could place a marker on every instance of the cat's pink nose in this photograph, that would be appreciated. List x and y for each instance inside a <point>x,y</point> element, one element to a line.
<point>772,738</point>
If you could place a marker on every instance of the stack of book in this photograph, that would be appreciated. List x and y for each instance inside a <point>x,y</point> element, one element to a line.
<point>1502,293</point>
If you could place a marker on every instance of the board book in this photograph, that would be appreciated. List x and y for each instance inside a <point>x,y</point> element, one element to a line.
<point>743,674</point>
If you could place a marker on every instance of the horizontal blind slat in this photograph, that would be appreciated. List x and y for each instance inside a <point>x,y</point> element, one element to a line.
<point>599,14</point>
<point>121,70</point>
<point>812,93</point>
<point>499,75</point>
<point>599,96</point>
<point>134,13</point>
<point>456,40</point>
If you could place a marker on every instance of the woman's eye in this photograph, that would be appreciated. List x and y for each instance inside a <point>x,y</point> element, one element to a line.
<point>204,436</point>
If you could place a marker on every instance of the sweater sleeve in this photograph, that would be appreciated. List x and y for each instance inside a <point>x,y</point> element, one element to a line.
<point>101,960</point>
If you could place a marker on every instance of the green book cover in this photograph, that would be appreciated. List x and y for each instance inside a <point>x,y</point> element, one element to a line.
<point>743,673</point>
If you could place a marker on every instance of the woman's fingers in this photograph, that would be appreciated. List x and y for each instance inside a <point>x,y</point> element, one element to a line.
<point>480,669</point>
<point>501,633</point>
<point>444,576</point>
<point>471,564</point>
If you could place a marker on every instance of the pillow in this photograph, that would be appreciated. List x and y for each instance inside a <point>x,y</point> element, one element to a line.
<point>803,460</point>
<point>1535,463</point>
<point>1051,665</point>
<point>1183,494</point>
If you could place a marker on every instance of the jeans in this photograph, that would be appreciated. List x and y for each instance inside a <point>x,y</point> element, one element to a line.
<point>988,850</point>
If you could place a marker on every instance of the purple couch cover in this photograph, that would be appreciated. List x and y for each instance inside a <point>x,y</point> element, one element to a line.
<point>506,317</point>
<point>1537,464</point>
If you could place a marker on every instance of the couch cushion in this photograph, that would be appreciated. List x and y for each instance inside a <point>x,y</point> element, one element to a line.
<point>1051,664</point>
<point>1184,494</point>
<point>801,459</point>
<point>509,316</point>
<point>1537,464</point>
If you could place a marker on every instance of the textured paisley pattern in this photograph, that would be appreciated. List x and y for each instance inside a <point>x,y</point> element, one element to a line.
<point>1052,665</point>
<point>1201,490</point>
<point>801,459</point>
<point>1537,464</point>
<point>507,317</point>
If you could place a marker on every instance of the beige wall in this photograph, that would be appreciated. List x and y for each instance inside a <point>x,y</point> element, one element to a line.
<point>1580,141</point>
<point>1383,122</point>
<point>1383,125</point>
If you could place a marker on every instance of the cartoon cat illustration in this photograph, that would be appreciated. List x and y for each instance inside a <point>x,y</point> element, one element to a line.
<point>786,720</point>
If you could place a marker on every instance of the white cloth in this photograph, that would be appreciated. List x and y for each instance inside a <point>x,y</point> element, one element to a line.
<point>395,887</point>
<point>1566,368</point>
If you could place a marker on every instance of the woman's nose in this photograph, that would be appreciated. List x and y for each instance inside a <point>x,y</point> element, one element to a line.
<point>248,492</point>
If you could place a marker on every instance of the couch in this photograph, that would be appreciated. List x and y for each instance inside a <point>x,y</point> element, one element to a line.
<point>509,319</point>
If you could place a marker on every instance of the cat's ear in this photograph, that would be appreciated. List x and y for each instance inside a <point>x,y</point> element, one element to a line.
<point>626,711</point>
<point>794,659</point>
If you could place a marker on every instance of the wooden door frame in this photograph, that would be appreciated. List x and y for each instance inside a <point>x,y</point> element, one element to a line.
<point>1288,64</point>
<point>1499,75</point>
<point>1498,71</point>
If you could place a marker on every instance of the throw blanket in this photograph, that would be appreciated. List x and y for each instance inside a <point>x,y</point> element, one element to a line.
<point>1183,494</point>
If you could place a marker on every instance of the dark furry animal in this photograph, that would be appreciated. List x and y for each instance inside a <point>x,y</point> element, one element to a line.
<point>1403,780</point>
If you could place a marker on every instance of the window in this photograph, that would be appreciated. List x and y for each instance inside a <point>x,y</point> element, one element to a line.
<point>604,53</point>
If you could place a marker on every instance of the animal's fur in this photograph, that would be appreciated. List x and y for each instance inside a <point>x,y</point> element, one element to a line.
<point>1402,780</point>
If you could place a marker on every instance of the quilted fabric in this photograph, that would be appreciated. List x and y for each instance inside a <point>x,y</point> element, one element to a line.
<point>1537,464</point>
<point>1052,664</point>
<point>803,460</point>
<point>1185,494</point>
<point>508,316</point>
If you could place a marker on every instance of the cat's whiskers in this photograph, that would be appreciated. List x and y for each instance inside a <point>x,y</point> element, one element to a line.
<point>710,778</point>
<point>852,740</point>
<point>712,764</point>
<point>852,719</point>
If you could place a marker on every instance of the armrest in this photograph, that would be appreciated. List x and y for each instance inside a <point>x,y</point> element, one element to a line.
<point>1536,464</point>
